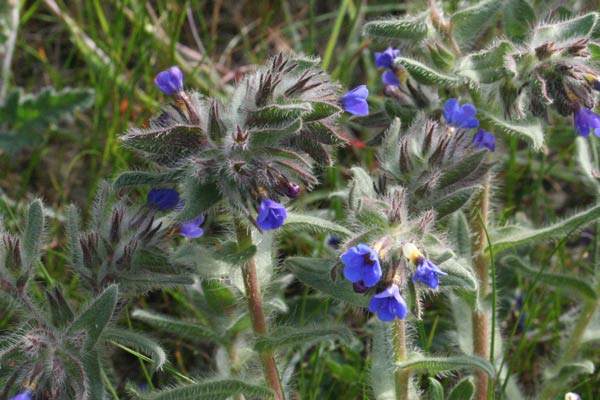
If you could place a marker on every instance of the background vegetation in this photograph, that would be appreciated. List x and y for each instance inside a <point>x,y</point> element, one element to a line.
<point>113,50</point>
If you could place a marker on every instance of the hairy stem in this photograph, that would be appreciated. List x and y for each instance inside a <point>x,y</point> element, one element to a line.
<point>257,313</point>
<point>481,317</point>
<point>400,354</point>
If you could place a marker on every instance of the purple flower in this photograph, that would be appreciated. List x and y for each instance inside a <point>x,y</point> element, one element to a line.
<point>389,304</point>
<point>170,81</point>
<point>270,214</point>
<point>483,139</point>
<point>389,78</point>
<point>162,199</point>
<point>26,395</point>
<point>292,190</point>
<point>584,120</point>
<point>427,273</point>
<point>386,59</point>
<point>460,116</point>
<point>191,229</point>
<point>361,263</point>
<point>355,101</point>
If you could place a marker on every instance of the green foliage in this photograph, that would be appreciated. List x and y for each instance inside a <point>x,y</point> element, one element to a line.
<point>464,390</point>
<point>470,23</point>
<point>440,364</point>
<point>577,286</point>
<point>295,221</point>
<point>292,336</point>
<point>27,117</point>
<point>407,28</point>
<point>513,235</point>
<point>208,390</point>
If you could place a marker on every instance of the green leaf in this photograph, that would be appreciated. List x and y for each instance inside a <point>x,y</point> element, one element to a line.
<point>512,236</point>
<point>531,131</point>
<point>408,28</point>
<point>461,169</point>
<point>306,335</point>
<point>39,110</point>
<point>59,308</point>
<point>315,272</point>
<point>93,376</point>
<point>361,186</point>
<point>230,253</point>
<point>33,235</point>
<point>436,390</point>
<point>519,18</point>
<point>188,330</point>
<point>138,178</point>
<point>471,22</point>
<point>165,144</point>
<point>280,113</point>
<point>218,296</point>
<point>96,316</point>
<point>202,259</point>
<point>435,365</point>
<point>575,285</point>
<point>427,75</point>
<point>208,390</point>
<point>320,111</point>
<point>138,342</point>
<point>487,66</point>
<point>199,197</point>
<point>459,275</point>
<point>447,203</point>
<point>460,234</point>
<point>575,28</point>
<point>313,224</point>
<point>464,390</point>
<point>382,362</point>
<point>73,243</point>
<point>273,135</point>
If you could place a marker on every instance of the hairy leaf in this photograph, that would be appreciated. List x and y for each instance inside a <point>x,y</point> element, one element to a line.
<point>435,365</point>
<point>427,75</point>
<point>314,224</point>
<point>189,330</point>
<point>519,18</point>
<point>209,390</point>
<point>578,27</point>
<point>33,235</point>
<point>464,390</point>
<point>460,235</point>
<point>531,131</point>
<point>293,336</point>
<point>96,316</point>
<point>512,236</point>
<point>138,342</point>
<point>409,28</point>
<point>471,22</point>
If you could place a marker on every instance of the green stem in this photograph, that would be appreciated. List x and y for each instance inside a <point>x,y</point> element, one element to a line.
<point>257,313</point>
<point>481,316</point>
<point>402,376</point>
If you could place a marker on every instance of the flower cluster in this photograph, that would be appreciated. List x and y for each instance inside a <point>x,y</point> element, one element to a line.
<point>362,267</point>
<point>386,60</point>
<point>463,117</point>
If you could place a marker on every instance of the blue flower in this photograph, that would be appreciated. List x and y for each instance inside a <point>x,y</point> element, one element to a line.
<point>427,273</point>
<point>484,140</point>
<point>361,263</point>
<point>460,116</point>
<point>389,304</point>
<point>162,199</point>
<point>26,395</point>
<point>170,81</point>
<point>584,120</point>
<point>355,101</point>
<point>191,229</point>
<point>389,78</point>
<point>386,59</point>
<point>270,214</point>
